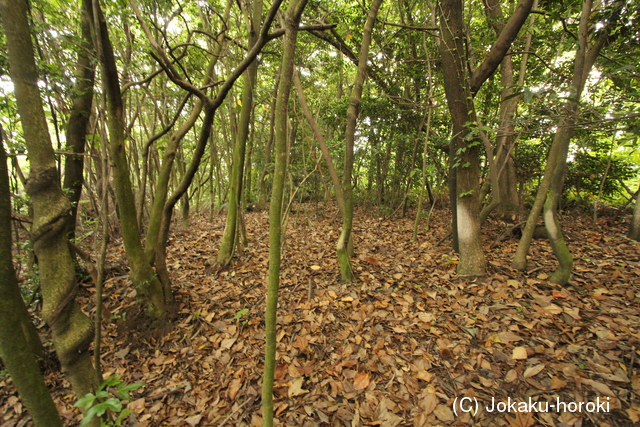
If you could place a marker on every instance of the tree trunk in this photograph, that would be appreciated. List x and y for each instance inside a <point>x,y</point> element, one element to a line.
<point>634,231</point>
<point>229,239</point>
<point>550,187</point>
<point>291,22</point>
<point>342,246</point>
<point>142,275</point>
<point>465,152</point>
<point>17,349</point>
<point>71,328</point>
<point>323,145</point>
<point>79,118</point>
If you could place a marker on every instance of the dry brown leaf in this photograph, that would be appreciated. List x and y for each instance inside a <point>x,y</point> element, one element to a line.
<point>295,388</point>
<point>532,371</point>
<point>234,386</point>
<point>194,420</point>
<point>600,387</point>
<point>557,383</point>
<point>519,353</point>
<point>429,403</point>
<point>522,419</point>
<point>424,376</point>
<point>444,413</point>
<point>361,380</point>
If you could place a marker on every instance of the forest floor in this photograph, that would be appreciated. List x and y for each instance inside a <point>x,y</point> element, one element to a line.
<point>399,347</point>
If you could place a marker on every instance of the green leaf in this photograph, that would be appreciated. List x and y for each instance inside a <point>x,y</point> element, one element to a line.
<point>241,313</point>
<point>123,415</point>
<point>112,403</point>
<point>86,402</point>
<point>124,389</point>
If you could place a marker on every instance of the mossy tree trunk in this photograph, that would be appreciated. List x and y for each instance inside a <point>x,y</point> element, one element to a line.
<point>16,349</point>
<point>71,328</point>
<point>291,22</point>
<point>353,111</point>
<point>550,187</point>
<point>147,285</point>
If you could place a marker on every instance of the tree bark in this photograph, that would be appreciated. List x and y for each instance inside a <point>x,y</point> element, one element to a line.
<point>17,349</point>
<point>71,328</point>
<point>291,22</point>
<point>142,275</point>
<point>634,231</point>
<point>353,111</point>
<point>230,236</point>
<point>79,117</point>
<point>465,152</point>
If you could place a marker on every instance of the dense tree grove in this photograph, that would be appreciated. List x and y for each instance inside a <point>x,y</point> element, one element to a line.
<point>118,112</point>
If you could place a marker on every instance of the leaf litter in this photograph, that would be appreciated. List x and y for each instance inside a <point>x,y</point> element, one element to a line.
<point>399,347</point>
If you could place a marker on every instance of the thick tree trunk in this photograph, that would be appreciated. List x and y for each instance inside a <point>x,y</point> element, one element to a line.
<point>142,275</point>
<point>17,349</point>
<point>342,246</point>
<point>71,328</point>
<point>79,117</point>
<point>465,152</point>
<point>291,22</point>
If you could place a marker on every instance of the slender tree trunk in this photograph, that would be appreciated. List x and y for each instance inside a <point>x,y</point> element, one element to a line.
<point>342,246</point>
<point>267,148</point>
<point>229,239</point>
<point>291,22</point>
<point>550,187</point>
<point>634,231</point>
<point>79,117</point>
<point>323,145</point>
<point>71,328</point>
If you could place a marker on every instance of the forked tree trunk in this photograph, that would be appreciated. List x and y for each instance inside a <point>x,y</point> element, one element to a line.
<point>291,22</point>
<point>465,145</point>
<point>353,111</point>
<point>144,279</point>
<point>71,328</point>
<point>550,187</point>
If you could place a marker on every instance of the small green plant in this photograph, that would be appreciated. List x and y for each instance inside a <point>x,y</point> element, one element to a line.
<point>241,313</point>
<point>98,404</point>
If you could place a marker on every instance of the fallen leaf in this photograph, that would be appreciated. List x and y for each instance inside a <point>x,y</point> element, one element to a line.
<point>444,413</point>
<point>295,388</point>
<point>522,419</point>
<point>361,380</point>
<point>519,353</point>
<point>194,420</point>
<point>532,371</point>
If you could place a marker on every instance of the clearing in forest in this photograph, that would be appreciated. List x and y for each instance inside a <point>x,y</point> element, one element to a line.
<point>402,346</point>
